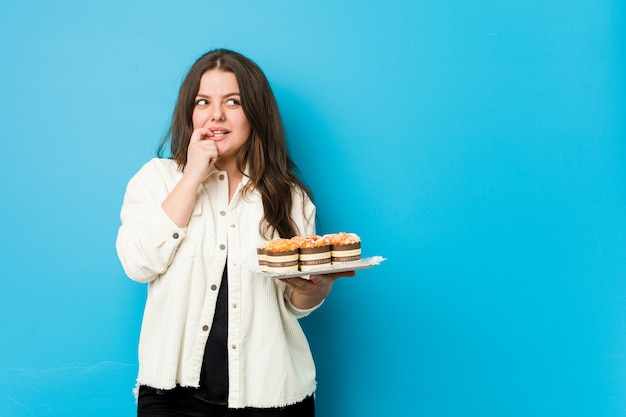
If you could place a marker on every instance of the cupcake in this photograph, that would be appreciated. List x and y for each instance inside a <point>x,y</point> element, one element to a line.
<point>314,252</point>
<point>345,247</point>
<point>281,255</point>
<point>261,251</point>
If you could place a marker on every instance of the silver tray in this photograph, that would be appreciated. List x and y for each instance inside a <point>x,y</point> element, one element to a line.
<point>363,263</point>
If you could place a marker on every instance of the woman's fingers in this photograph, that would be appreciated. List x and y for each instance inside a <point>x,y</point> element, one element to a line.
<point>201,153</point>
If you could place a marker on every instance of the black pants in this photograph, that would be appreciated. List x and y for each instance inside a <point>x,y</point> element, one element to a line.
<point>181,403</point>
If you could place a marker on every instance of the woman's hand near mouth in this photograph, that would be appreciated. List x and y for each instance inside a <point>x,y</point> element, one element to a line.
<point>201,155</point>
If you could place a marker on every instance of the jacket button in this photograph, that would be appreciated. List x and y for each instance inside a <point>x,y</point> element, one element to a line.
<point>205,327</point>
<point>213,287</point>
<point>175,236</point>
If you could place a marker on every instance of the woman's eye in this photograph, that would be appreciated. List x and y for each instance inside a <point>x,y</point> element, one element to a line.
<point>233,102</point>
<point>202,102</point>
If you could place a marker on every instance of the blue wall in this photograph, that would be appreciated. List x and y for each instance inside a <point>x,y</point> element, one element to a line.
<point>479,146</point>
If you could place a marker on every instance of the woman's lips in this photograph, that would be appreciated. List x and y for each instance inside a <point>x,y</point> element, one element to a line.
<point>219,134</point>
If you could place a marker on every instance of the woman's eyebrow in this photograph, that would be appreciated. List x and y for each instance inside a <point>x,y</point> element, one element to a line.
<point>225,95</point>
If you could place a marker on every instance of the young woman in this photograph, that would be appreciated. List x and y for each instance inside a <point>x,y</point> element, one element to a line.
<point>217,338</point>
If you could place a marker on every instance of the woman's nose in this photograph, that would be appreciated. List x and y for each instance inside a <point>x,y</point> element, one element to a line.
<point>217,113</point>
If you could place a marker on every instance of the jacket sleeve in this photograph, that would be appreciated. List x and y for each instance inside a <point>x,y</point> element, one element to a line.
<point>303,213</point>
<point>148,239</point>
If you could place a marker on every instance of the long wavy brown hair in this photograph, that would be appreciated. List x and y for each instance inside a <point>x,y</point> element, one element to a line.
<point>271,170</point>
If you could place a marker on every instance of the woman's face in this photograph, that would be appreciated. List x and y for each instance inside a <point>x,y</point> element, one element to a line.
<point>218,108</point>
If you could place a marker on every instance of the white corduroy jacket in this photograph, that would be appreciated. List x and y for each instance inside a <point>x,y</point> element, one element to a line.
<point>269,359</point>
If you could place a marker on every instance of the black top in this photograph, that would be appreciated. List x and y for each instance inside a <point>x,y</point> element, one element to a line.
<point>214,374</point>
